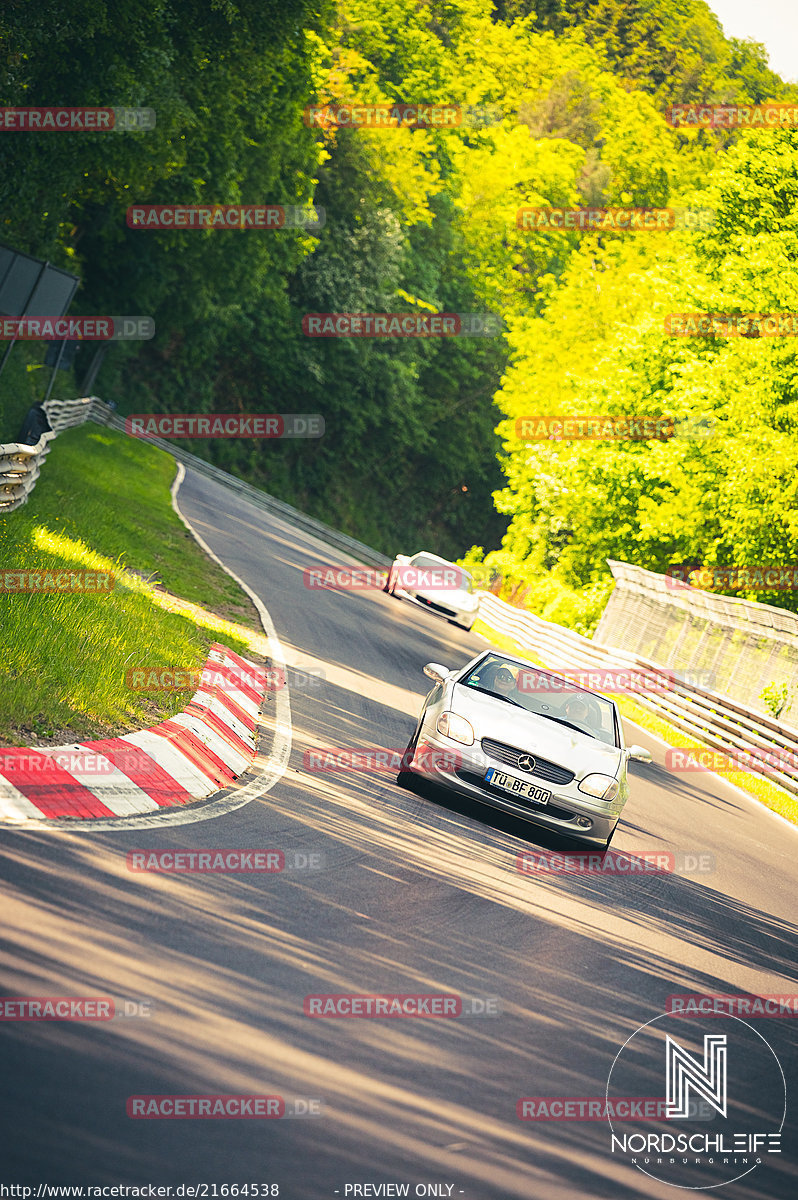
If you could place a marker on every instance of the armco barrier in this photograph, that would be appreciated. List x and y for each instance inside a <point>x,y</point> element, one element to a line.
<point>713,720</point>
<point>745,644</point>
<point>104,415</point>
<point>21,464</point>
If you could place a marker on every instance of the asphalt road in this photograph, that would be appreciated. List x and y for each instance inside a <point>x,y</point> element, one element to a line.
<point>411,893</point>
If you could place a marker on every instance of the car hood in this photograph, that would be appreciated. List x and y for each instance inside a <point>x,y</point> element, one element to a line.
<point>538,736</point>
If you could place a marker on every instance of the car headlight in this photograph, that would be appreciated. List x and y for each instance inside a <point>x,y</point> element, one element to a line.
<point>456,728</point>
<point>604,787</point>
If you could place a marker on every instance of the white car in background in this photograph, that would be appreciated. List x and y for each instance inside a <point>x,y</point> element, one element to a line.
<point>435,584</point>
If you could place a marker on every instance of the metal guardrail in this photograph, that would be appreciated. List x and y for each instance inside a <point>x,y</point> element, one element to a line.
<point>714,720</point>
<point>104,415</point>
<point>21,464</point>
<point>745,644</point>
<point>64,414</point>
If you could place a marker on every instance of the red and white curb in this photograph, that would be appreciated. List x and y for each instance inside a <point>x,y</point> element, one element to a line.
<point>200,751</point>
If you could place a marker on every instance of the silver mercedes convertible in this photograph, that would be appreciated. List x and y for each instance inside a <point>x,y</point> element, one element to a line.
<point>523,739</point>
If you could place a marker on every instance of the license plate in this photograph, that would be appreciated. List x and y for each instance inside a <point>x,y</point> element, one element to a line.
<point>518,787</point>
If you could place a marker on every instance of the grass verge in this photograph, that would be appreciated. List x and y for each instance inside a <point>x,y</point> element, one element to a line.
<point>102,503</point>
<point>758,786</point>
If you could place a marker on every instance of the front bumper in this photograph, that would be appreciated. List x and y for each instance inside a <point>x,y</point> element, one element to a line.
<point>462,770</point>
<point>464,619</point>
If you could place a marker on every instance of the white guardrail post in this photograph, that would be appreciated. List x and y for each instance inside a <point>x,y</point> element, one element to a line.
<point>21,464</point>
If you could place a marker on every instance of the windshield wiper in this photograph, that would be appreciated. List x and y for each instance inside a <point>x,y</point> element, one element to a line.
<point>562,721</point>
<point>487,692</point>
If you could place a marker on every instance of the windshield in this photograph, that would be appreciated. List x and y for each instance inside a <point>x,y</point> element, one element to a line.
<point>444,570</point>
<point>543,693</point>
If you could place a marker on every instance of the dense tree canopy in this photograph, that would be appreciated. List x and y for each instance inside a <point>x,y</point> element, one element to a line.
<point>564,104</point>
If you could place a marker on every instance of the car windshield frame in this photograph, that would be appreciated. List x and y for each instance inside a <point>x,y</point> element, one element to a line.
<point>605,735</point>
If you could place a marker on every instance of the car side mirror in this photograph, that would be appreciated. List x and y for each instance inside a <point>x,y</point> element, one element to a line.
<point>639,753</point>
<point>437,672</point>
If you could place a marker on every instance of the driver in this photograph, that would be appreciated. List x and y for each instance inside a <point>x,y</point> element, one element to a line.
<point>504,683</point>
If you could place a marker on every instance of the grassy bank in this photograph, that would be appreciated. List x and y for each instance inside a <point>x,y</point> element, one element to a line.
<point>102,503</point>
<point>758,786</point>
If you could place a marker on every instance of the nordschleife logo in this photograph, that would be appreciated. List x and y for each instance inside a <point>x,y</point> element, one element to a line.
<point>736,1077</point>
<point>684,1073</point>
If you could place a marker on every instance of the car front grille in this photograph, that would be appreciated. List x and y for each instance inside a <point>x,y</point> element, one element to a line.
<point>543,769</point>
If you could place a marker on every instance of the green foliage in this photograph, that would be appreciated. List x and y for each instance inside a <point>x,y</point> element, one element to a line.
<point>674,49</point>
<point>542,592</point>
<point>427,219</point>
<point>777,697</point>
<point>599,347</point>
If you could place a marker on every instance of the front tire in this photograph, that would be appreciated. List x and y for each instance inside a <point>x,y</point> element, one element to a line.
<point>606,845</point>
<point>404,777</point>
<point>579,844</point>
<point>390,582</point>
